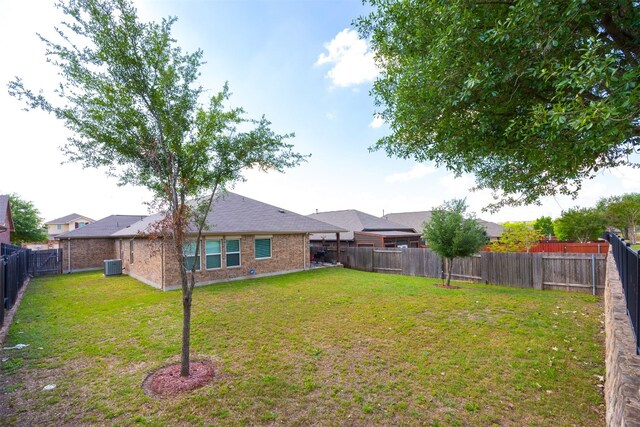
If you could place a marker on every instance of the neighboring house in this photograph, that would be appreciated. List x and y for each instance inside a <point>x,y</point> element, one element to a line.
<point>6,220</point>
<point>87,247</point>
<point>363,230</point>
<point>243,238</point>
<point>416,220</point>
<point>66,223</point>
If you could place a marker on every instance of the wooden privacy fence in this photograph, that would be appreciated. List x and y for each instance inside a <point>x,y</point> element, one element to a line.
<point>560,271</point>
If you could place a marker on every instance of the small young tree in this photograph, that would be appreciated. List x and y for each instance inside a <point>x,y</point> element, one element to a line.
<point>26,221</point>
<point>130,97</point>
<point>517,237</point>
<point>451,233</point>
<point>544,225</point>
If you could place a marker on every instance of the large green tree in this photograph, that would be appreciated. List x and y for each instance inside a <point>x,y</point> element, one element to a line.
<point>623,213</point>
<point>581,224</point>
<point>26,221</point>
<point>130,96</point>
<point>452,233</point>
<point>533,97</point>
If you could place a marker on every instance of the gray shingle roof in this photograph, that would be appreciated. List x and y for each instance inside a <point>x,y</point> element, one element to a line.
<point>66,219</point>
<point>390,233</point>
<point>102,228</point>
<point>353,220</point>
<point>5,215</point>
<point>235,214</point>
<point>416,220</point>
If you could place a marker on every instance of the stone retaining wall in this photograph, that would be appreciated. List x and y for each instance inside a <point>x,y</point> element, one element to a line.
<point>622,385</point>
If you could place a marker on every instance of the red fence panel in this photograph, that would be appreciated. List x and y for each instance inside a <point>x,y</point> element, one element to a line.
<point>566,247</point>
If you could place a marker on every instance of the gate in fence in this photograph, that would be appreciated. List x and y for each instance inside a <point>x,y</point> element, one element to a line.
<point>45,262</point>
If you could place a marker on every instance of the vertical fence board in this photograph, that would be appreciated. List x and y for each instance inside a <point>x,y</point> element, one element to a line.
<point>567,271</point>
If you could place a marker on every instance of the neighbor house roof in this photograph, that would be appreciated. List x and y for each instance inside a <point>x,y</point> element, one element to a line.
<point>354,220</point>
<point>493,229</point>
<point>67,218</point>
<point>389,233</point>
<point>6,221</point>
<point>416,220</point>
<point>102,228</point>
<point>232,213</point>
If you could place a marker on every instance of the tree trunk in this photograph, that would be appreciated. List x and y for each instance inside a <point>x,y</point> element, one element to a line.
<point>449,265</point>
<point>186,334</point>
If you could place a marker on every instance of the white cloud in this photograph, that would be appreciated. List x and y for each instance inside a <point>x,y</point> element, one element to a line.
<point>352,60</point>
<point>418,170</point>
<point>629,177</point>
<point>377,122</point>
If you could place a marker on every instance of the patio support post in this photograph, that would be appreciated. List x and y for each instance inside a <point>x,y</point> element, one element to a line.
<point>338,248</point>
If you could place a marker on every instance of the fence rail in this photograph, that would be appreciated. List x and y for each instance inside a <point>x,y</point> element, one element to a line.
<point>553,271</point>
<point>628,264</point>
<point>17,264</point>
<point>14,272</point>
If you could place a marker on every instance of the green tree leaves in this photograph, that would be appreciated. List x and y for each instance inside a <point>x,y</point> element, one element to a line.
<point>26,221</point>
<point>580,224</point>
<point>130,96</point>
<point>451,233</point>
<point>533,97</point>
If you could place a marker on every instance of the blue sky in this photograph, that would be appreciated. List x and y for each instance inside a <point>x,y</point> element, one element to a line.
<point>297,62</point>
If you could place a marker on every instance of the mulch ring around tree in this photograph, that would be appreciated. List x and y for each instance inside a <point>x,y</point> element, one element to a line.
<point>447,286</point>
<point>167,381</point>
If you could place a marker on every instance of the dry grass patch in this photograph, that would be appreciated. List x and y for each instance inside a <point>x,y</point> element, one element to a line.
<point>325,347</point>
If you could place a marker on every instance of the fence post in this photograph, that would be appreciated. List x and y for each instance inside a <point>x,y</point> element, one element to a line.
<point>593,271</point>
<point>2,282</point>
<point>538,274</point>
<point>484,267</point>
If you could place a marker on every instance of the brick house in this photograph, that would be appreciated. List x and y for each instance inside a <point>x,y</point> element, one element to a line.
<point>6,220</point>
<point>243,238</point>
<point>87,247</point>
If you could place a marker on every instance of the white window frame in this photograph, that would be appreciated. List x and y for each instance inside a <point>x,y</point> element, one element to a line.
<point>226,253</point>
<point>220,241</point>
<point>255,252</point>
<point>199,257</point>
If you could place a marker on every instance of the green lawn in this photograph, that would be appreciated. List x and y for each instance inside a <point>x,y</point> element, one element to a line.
<point>325,347</point>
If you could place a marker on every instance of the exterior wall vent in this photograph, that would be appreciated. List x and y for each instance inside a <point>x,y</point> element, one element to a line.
<point>112,267</point>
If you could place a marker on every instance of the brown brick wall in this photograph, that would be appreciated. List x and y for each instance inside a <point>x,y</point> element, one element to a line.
<point>5,237</point>
<point>86,254</point>
<point>622,385</point>
<point>289,252</point>
<point>147,259</point>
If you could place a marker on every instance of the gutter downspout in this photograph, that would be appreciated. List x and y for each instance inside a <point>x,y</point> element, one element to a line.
<point>304,251</point>
<point>162,265</point>
<point>69,255</point>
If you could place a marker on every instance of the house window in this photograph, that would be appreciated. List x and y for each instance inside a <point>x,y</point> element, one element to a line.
<point>81,224</point>
<point>213,250</point>
<point>232,248</point>
<point>263,247</point>
<point>130,251</point>
<point>189,251</point>
<point>59,227</point>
